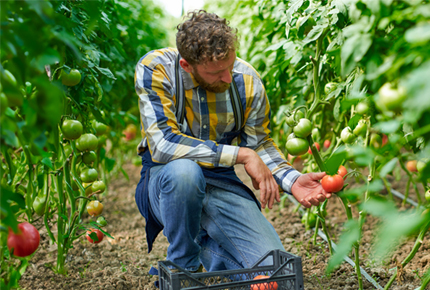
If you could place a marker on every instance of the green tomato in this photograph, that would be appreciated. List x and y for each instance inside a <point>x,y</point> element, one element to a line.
<point>390,98</point>
<point>39,204</point>
<point>297,146</point>
<point>312,220</point>
<point>87,142</point>
<point>89,157</point>
<point>99,127</point>
<point>89,175</point>
<point>291,136</point>
<point>362,108</point>
<point>361,128</point>
<point>420,166</point>
<point>375,140</point>
<point>292,121</point>
<point>98,185</point>
<point>347,136</point>
<point>71,79</point>
<point>101,221</point>
<point>330,87</point>
<point>427,195</point>
<point>303,128</point>
<point>72,129</point>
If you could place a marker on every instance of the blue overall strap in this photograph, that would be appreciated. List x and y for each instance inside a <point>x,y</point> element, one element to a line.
<point>237,106</point>
<point>180,93</point>
<point>180,99</point>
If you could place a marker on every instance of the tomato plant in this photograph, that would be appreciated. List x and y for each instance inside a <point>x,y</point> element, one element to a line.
<point>24,242</point>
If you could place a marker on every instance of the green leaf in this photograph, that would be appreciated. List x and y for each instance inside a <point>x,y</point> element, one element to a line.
<point>418,34</point>
<point>315,33</point>
<point>387,168</point>
<point>334,161</point>
<point>276,46</point>
<point>388,127</point>
<point>47,161</point>
<point>106,72</point>
<point>110,163</point>
<point>346,240</point>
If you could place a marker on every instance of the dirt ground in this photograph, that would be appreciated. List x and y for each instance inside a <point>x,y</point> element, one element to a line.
<point>123,262</point>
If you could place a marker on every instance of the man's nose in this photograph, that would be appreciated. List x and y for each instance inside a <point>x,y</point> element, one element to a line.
<point>226,76</point>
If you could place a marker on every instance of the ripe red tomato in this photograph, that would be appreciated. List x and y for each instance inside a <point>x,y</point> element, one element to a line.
<point>342,171</point>
<point>316,145</point>
<point>99,234</point>
<point>265,285</point>
<point>327,144</point>
<point>411,165</point>
<point>332,183</point>
<point>25,242</point>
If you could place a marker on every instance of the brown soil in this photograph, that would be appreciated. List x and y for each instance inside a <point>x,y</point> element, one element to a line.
<point>123,262</point>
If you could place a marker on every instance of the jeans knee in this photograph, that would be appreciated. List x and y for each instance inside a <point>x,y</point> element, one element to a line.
<point>184,176</point>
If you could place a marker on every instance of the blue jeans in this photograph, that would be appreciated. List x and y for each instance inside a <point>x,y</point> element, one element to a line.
<point>205,224</point>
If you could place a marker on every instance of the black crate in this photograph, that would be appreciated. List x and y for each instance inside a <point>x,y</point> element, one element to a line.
<point>285,271</point>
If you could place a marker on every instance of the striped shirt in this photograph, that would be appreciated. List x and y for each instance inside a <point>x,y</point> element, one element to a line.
<point>208,118</point>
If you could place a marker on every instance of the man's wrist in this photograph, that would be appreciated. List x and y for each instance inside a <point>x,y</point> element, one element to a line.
<point>243,155</point>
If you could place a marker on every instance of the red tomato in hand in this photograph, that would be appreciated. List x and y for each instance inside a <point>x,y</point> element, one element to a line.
<point>25,242</point>
<point>332,183</point>
<point>342,171</point>
<point>316,145</point>
<point>327,144</point>
<point>99,236</point>
<point>265,285</point>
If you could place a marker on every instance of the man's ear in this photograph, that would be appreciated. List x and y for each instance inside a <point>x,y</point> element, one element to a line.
<point>185,65</point>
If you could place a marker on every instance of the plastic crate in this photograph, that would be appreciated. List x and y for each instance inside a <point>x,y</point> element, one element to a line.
<point>285,271</point>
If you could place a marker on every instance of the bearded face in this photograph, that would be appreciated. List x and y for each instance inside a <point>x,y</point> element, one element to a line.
<point>216,87</point>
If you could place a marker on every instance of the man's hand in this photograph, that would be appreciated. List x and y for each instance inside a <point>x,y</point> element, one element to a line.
<point>261,176</point>
<point>308,191</point>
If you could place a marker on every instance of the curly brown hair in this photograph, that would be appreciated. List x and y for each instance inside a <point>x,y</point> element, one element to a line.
<point>205,37</point>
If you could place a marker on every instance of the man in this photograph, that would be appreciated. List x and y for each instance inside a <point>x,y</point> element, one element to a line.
<point>188,187</point>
